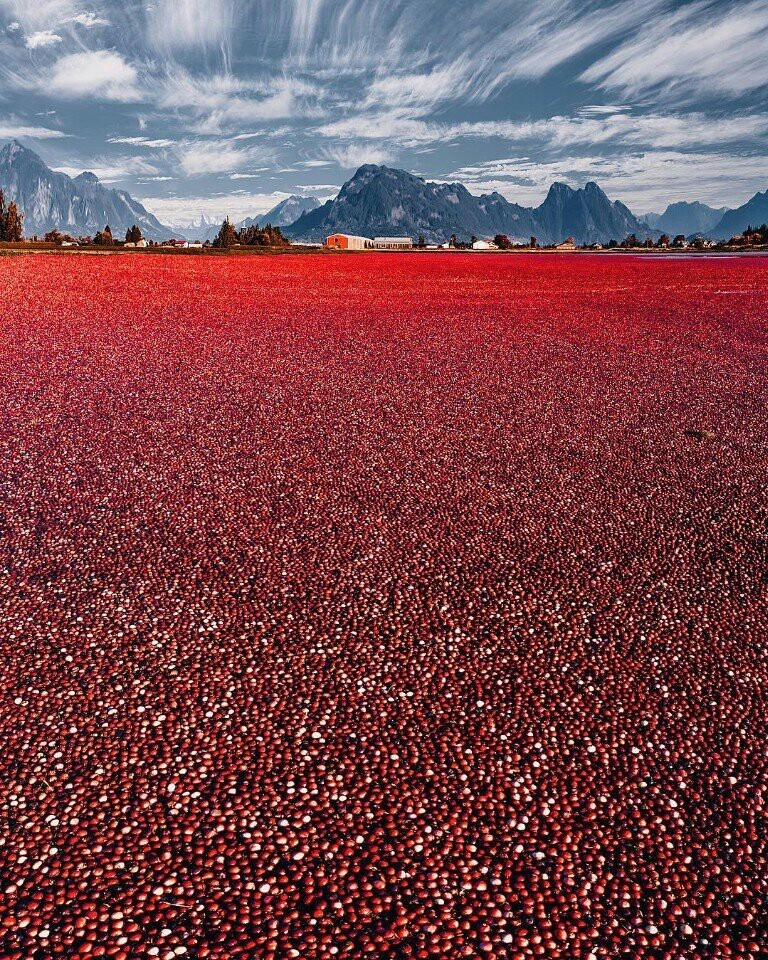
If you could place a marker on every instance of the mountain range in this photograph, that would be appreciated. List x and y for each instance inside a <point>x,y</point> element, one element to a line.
<point>381,201</point>
<point>286,212</point>
<point>753,213</point>
<point>686,218</point>
<point>81,206</point>
<point>376,201</point>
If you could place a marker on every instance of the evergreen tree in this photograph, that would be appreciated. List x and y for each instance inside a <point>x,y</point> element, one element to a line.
<point>226,236</point>
<point>133,235</point>
<point>253,236</point>
<point>104,237</point>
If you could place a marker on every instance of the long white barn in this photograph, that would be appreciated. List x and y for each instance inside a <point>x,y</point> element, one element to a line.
<point>392,243</point>
<point>344,241</point>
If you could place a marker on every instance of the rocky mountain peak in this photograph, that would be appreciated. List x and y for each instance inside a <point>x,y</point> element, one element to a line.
<point>50,200</point>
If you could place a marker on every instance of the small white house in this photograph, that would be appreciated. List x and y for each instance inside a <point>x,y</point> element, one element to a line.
<point>483,245</point>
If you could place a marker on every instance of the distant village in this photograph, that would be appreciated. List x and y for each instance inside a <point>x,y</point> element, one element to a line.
<point>751,238</point>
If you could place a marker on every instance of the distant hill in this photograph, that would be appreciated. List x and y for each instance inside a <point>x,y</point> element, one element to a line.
<point>753,213</point>
<point>587,215</point>
<point>79,206</point>
<point>651,219</point>
<point>380,201</point>
<point>197,230</point>
<point>285,213</point>
<point>686,218</point>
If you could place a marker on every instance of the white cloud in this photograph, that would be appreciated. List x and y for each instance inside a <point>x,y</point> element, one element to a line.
<point>340,37</point>
<point>112,171</point>
<point>394,126</point>
<point>239,110</point>
<point>43,38</point>
<point>17,131</point>
<point>142,142</point>
<point>190,23</point>
<point>99,74</point>
<point>602,110</point>
<point>256,175</point>
<point>321,189</point>
<point>89,20</point>
<point>475,50</point>
<point>237,206</point>
<point>652,130</point>
<point>420,90</point>
<point>215,156</point>
<point>222,103</point>
<point>701,48</point>
<point>44,15</point>
<point>271,132</point>
<point>620,128</point>
<point>554,33</point>
<point>353,155</point>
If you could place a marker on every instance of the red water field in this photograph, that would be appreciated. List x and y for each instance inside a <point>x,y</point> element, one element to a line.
<point>383,605</point>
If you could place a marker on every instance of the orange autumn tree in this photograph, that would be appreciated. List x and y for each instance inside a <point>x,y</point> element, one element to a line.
<point>11,221</point>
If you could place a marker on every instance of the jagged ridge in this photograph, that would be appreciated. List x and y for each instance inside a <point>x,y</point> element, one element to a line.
<point>753,213</point>
<point>380,200</point>
<point>83,205</point>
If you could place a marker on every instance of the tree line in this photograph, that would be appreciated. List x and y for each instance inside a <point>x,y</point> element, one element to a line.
<point>103,238</point>
<point>253,236</point>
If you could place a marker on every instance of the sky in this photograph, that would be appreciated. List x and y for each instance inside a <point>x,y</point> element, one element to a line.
<point>214,107</point>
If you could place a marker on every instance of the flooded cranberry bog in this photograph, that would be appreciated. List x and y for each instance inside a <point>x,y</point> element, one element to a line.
<point>392,606</point>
